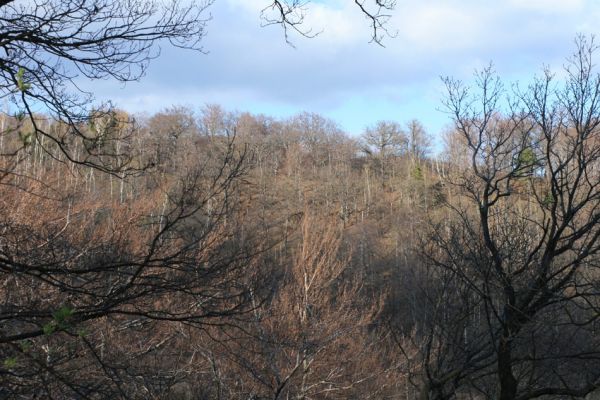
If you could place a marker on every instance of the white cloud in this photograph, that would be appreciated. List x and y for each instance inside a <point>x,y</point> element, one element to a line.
<point>548,6</point>
<point>438,27</point>
<point>250,66</point>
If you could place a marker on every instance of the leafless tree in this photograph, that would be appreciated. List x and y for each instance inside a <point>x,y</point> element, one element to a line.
<point>419,141</point>
<point>384,140</point>
<point>47,45</point>
<point>290,14</point>
<point>108,287</point>
<point>516,260</point>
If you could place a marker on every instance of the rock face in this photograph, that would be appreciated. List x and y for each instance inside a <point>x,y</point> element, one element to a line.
<point>180,391</point>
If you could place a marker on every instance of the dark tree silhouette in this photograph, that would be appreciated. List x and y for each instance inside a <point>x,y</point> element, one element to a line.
<point>47,45</point>
<point>290,14</point>
<point>95,294</point>
<point>512,299</point>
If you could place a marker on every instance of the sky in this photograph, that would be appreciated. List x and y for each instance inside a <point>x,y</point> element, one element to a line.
<point>339,74</point>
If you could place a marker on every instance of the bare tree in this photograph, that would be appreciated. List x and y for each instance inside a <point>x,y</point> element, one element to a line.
<point>518,254</point>
<point>47,45</point>
<point>106,289</point>
<point>314,339</point>
<point>290,14</point>
<point>419,141</point>
<point>386,139</point>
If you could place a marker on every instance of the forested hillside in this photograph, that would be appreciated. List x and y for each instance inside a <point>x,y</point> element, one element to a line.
<point>225,255</point>
<point>204,253</point>
<point>235,256</point>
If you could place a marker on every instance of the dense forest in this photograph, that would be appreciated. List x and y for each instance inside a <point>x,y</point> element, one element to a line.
<point>200,253</point>
<point>238,256</point>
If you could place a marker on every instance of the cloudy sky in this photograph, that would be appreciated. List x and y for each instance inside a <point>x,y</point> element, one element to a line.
<point>340,75</point>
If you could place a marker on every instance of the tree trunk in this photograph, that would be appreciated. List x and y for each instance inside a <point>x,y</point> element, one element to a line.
<point>507,381</point>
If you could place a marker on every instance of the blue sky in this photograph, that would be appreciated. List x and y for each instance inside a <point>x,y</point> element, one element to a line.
<point>340,75</point>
